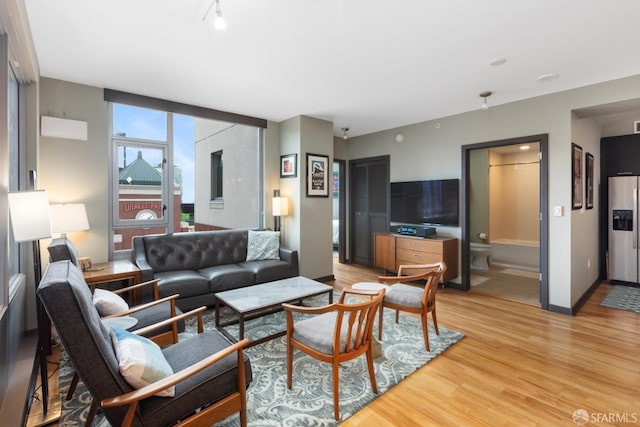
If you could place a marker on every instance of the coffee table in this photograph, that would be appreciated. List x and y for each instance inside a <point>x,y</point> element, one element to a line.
<point>259,300</point>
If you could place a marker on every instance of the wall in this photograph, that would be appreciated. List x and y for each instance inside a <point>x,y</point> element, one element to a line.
<point>241,174</point>
<point>78,171</point>
<point>514,196</point>
<point>479,194</point>
<point>433,152</point>
<point>584,224</point>
<point>308,225</point>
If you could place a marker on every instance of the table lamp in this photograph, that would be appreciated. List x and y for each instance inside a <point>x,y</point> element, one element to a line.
<point>69,217</point>
<point>30,222</point>
<point>280,207</point>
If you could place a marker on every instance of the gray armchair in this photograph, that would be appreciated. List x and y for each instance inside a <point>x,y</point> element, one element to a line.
<point>210,382</point>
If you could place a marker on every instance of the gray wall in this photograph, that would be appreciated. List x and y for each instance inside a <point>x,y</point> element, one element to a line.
<point>434,152</point>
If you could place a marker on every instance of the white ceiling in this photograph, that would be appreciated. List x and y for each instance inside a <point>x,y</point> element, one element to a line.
<point>368,65</point>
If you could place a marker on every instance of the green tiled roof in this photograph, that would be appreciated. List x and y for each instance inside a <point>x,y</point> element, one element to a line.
<point>139,172</point>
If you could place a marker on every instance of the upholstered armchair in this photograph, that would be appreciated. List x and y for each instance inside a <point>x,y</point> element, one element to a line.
<point>334,333</point>
<point>208,374</point>
<point>415,298</point>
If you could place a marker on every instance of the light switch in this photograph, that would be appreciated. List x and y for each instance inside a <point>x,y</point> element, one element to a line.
<point>558,211</point>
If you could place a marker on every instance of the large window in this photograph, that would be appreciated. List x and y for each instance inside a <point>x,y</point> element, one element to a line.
<point>159,184</point>
<point>14,171</point>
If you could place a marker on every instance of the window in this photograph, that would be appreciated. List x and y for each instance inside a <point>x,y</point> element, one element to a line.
<point>216,175</point>
<point>14,172</point>
<point>155,156</point>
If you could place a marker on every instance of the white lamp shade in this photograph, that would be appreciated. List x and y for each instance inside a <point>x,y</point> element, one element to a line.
<point>30,217</point>
<point>280,206</point>
<point>68,218</point>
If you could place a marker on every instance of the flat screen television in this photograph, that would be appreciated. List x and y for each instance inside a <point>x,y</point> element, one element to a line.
<point>433,202</point>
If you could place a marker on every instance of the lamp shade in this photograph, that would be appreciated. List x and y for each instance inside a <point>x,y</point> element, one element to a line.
<point>30,217</point>
<point>69,217</point>
<point>280,206</point>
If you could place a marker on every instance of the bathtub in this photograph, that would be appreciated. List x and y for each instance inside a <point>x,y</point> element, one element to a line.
<point>518,254</point>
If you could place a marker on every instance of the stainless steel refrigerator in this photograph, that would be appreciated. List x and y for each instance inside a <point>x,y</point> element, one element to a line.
<point>624,255</point>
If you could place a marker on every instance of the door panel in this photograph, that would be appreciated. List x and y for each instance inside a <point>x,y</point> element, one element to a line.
<point>369,188</point>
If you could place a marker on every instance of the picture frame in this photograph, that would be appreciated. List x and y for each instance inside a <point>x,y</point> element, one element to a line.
<point>576,176</point>
<point>289,166</point>
<point>588,190</point>
<point>317,175</point>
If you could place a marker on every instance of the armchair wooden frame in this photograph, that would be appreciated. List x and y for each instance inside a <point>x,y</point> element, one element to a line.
<point>432,274</point>
<point>162,339</point>
<point>237,402</point>
<point>352,335</point>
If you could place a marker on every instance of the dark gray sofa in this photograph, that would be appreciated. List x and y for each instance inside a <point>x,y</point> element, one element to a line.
<point>198,264</point>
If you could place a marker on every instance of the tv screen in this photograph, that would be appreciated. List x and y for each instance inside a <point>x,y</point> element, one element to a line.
<point>425,202</point>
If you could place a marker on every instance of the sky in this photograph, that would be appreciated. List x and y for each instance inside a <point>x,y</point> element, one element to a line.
<point>148,124</point>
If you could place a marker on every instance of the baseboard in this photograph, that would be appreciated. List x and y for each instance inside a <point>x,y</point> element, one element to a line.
<point>326,279</point>
<point>559,309</point>
<point>583,299</point>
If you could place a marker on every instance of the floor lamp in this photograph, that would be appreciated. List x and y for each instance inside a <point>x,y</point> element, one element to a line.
<point>31,222</point>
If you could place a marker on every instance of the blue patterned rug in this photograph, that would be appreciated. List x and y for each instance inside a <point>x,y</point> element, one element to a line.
<point>310,400</point>
<point>623,298</point>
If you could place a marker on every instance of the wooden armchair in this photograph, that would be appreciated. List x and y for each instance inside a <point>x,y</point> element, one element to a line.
<point>413,299</point>
<point>334,333</point>
<point>211,373</point>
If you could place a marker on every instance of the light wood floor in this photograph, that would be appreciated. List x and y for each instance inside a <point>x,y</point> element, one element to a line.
<point>517,366</point>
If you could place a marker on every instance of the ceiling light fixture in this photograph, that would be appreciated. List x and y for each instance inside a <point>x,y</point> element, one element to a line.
<point>219,22</point>
<point>344,133</point>
<point>485,95</point>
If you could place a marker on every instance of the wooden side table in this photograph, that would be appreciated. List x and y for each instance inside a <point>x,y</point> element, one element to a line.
<point>113,271</point>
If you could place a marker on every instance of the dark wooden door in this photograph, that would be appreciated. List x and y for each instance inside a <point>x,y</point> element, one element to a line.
<point>369,189</point>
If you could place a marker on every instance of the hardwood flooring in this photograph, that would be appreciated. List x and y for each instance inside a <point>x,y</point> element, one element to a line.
<point>517,365</point>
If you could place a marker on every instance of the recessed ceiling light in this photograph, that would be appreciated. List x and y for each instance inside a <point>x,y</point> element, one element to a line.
<point>497,62</point>
<point>524,147</point>
<point>547,77</point>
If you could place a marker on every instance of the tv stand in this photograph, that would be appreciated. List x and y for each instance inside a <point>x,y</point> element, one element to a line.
<point>393,250</point>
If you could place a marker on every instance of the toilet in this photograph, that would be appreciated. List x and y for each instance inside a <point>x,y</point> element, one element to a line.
<point>479,255</point>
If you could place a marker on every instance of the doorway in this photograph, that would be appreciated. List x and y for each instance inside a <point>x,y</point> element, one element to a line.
<point>339,211</point>
<point>504,227</point>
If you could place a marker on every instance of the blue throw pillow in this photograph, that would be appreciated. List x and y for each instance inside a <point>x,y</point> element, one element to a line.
<point>140,360</point>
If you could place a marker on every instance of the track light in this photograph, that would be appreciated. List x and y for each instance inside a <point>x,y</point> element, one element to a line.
<point>485,95</point>
<point>344,133</point>
<point>218,22</point>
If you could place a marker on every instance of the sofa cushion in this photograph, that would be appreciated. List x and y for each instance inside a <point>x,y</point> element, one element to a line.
<point>186,283</point>
<point>225,277</point>
<point>268,270</point>
<point>263,245</point>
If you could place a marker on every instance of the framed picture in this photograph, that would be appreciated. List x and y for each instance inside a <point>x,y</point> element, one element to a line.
<point>317,175</point>
<point>589,181</point>
<point>576,176</point>
<point>289,166</point>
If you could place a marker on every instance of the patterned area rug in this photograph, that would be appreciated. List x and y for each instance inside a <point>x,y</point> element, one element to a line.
<point>310,400</point>
<point>623,298</point>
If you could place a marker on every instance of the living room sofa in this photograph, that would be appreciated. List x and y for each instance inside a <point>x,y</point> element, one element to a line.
<point>198,264</point>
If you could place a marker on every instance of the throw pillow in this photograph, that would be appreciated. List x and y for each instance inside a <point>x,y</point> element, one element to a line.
<point>108,303</point>
<point>140,360</point>
<point>263,245</point>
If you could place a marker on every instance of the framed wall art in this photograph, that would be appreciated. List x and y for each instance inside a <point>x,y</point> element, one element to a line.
<point>589,181</point>
<point>317,175</point>
<point>576,176</point>
<point>289,166</point>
